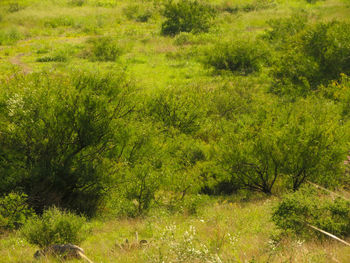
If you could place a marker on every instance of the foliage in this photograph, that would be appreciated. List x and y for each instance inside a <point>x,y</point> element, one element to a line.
<point>187,247</point>
<point>55,227</point>
<point>177,109</point>
<point>136,168</point>
<point>317,56</point>
<point>290,143</point>
<point>306,206</point>
<point>9,36</point>
<point>283,29</point>
<point>104,49</point>
<point>77,2</point>
<point>186,16</point>
<point>55,132</point>
<point>14,7</point>
<point>242,56</point>
<point>58,57</point>
<point>137,13</point>
<point>14,211</point>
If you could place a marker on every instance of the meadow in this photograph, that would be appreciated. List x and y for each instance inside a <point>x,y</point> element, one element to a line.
<point>199,126</point>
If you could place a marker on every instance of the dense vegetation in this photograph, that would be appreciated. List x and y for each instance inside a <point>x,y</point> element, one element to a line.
<point>160,111</point>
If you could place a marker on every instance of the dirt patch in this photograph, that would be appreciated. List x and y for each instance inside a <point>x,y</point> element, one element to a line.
<point>18,62</point>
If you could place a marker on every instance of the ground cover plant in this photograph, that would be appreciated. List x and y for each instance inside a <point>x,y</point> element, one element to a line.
<point>175,131</point>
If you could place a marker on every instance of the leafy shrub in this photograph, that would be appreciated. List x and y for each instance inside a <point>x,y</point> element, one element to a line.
<point>14,7</point>
<point>105,49</point>
<point>258,5</point>
<point>292,143</point>
<point>8,37</point>
<point>186,16</point>
<point>14,211</point>
<point>66,121</point>
<point>176,109</point>
<point>243,57</point>
<point>137,13</point>
<point>60,57</point>
<point>182,39</point>
<point>297,210</point>
<point>77,2</point>
<point>318,55</point>
<point>61,21</point>
<point>55,227</point>
<point>283,29</point>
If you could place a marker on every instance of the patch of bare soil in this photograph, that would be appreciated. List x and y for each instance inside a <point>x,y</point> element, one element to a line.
<point>18,62</point>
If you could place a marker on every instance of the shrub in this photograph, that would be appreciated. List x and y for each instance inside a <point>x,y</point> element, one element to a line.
<point>259,5</point>
<point>186,16</point>
<point>77,2</point>
<point>14,211</point>
<point>14,7</point>
<point>137,13</point>
<point>176,109</point>
<point>297,210</point>
<point>66,121</point>
<point>59,57</point>
<point>105,49</point>
<point>183,38</point>
<point>290,143</point>
<point>283,29</point>
<point>55,227</point>
<point>243,57</point>
<point>318,55</point>
<point>8,37</point>
<point>61,21</point>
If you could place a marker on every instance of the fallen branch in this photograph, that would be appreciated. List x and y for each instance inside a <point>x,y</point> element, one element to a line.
<point>329,234</point>
<point>329,191</point>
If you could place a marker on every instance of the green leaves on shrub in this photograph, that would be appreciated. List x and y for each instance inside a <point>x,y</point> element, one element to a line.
<point>241,56</point>
<point>291,143</point>
<point>315,56</point>
<point>10,36</point>
<point>55,227</point>
<point>186,16</point>
<point>104,49</point>
<point>14,211</point>
<point>283,29</point>
<point>138,13</point>
<point>306,206</point>
<point>55,131</point>
<point>177,109</point>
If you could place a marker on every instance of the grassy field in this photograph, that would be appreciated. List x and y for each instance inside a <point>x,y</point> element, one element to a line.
<point>222,231</point>
<point>58,36</point>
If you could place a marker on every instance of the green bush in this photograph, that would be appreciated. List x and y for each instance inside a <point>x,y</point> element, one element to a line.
<point>10,36</point>
<point>55,227</point>
<point>258,5</point>
<point>137,13</point>
<point>306,206</point>
<point>77,2</point>
<point>283,29</point>
<point>104,49</point>
<point>290,143</point>
<point>176,109</point>
<point>61,21</point>
<point>14,211</point>
<point>14,7</point>
<point>243,57</point>
<point>66,121</point>
<point>59,57</point>
<point>316,56</point>
<point>186,16</point>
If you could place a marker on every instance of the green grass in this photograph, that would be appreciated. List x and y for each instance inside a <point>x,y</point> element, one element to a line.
<point>234,231</point>
<point>34,37</point>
